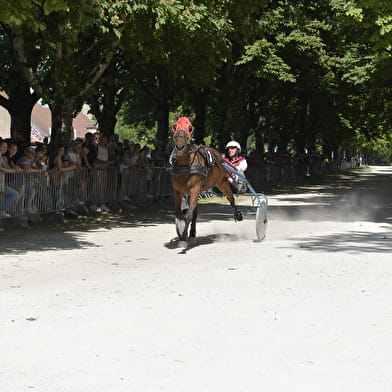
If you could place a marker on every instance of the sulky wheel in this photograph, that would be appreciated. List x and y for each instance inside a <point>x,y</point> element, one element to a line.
<point>261,220</point>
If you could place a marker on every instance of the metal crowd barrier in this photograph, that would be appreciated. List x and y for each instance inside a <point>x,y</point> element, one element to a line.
<point>56,191</point>
<point>145,183</point>
<point>276,174</point>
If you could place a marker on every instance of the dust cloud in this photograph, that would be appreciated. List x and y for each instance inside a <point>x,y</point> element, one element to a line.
<point>364,195</point>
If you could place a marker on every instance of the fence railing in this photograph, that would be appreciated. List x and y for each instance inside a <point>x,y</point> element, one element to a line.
<point>54,191</point>
<point>276,174</point>
<point>45,192</point>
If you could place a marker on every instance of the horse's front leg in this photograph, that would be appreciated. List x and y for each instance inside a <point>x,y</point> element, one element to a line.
<point>183,213</point>
<point>178,205</point>
<point>192,232</point>
<point>191,214</point>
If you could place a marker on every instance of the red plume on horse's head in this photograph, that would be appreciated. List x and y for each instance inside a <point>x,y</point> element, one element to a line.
<point>184,124</point>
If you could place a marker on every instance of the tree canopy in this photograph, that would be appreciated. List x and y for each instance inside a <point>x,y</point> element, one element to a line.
<point>292,76</point>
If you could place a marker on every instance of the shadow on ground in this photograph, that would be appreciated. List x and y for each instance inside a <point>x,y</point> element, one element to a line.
<point>69,235</point>
<point>352,242</point>
<point>193,243</point>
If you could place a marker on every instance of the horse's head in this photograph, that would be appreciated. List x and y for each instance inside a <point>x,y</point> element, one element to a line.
<point>182,132</point>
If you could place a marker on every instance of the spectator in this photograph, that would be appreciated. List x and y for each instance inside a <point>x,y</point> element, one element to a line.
<point>123,159</point>
<point>11,195</point>
<point>76,184</point>
<point>135,152</point>
<point>102,161</point>
<point>58,161</point>
<point>14,181</point>
<point>89,150</point>
<point>60,176</point>
<point>119,153</point>
<point>21,142</point>
<point>41,158</point>
<point>112,152</point>
<point>27,161</point>
<point>129,152</point>
<point>12,154</point>
<point>45,143</point>
<point>73,156</point>
<point>159,156</point>
<point>28,165</point>
<point>126,145</point>
<point>143,161</point>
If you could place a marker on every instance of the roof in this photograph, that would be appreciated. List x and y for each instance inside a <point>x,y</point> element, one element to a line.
<point>82,124</point>
<point>42,117</point>
<point>41,120</point>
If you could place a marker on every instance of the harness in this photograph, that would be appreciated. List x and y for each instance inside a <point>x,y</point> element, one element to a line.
<point>181,170</point>
<point>183,129</point>
<point>191,168</point>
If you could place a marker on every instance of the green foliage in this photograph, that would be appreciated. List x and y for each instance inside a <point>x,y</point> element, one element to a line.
<point>137,133</point>
<point>20,12</point>
<point>378,151</point>
<point>376,17</point>
<point>271,64</point>
<point>303,74</point>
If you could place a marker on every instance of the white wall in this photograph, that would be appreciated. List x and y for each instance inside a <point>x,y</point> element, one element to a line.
<point>5,123</point>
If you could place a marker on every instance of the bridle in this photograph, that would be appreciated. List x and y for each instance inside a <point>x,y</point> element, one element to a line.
<point>182,129</point>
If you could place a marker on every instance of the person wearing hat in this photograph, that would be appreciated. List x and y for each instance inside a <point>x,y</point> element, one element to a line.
<point>238,162</point>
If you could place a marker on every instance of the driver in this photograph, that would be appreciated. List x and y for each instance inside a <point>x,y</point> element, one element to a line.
<point>233,158</point>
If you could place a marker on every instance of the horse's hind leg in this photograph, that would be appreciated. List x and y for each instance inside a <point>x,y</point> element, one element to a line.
<point>225,188</point>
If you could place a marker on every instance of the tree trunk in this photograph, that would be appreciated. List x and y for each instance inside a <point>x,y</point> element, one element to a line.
<point>19,105</point>
<point>107,122</point>
<point>224,128</point>
<point>106,104</point>
<point>62,130</point>
<point>106,113</point>
<point>162,117</point>
<point>300,139</point>
<point>260,136</point>
<point>201,114</point>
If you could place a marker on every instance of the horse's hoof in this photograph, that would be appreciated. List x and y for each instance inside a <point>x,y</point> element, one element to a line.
<point>182,244</point>
<point>238,216</point>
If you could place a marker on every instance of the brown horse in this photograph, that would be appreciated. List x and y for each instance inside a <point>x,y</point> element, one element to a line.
<point>195,169</point>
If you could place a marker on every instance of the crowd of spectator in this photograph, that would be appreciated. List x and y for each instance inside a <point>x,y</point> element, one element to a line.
<point>95,150</point>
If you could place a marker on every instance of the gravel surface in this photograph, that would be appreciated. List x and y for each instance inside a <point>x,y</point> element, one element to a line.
<point>116,305</point>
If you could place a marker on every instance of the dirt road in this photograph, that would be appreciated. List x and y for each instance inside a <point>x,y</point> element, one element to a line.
<point>122,308</point>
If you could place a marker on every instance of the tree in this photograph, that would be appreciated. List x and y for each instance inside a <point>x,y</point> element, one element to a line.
<point>20,100</point>
<point>74,49</point>
<point>176,59</point>
<point>109,93</point>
